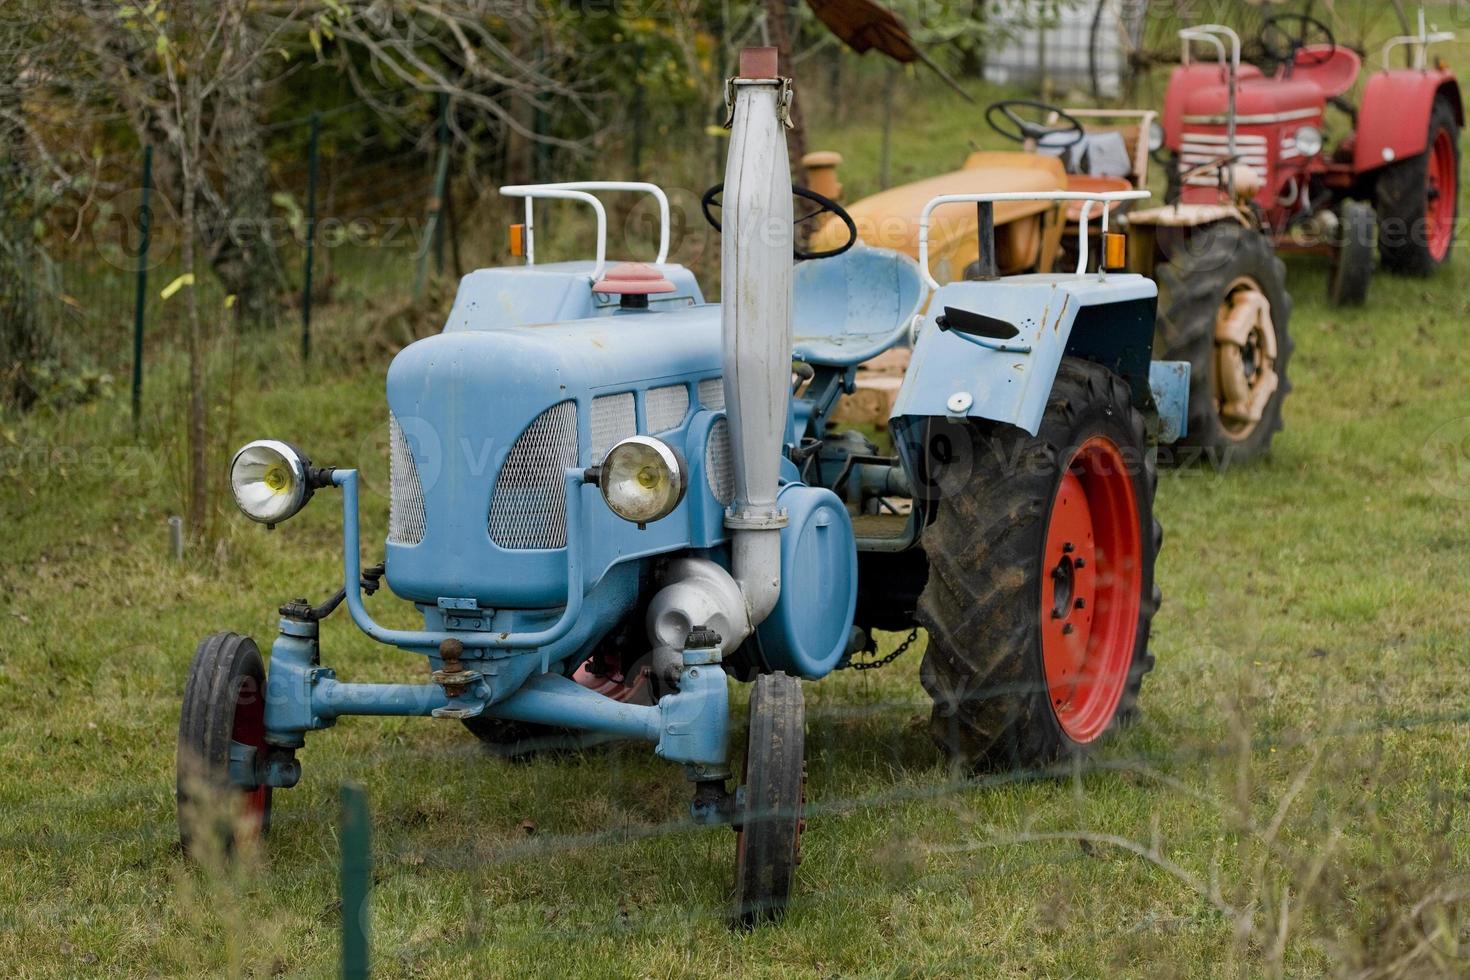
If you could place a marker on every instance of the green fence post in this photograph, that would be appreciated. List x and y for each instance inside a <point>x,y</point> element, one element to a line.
<point>357,863</point>
<point>436,203</point>
<point>311,169</point>
<point>140,300</point>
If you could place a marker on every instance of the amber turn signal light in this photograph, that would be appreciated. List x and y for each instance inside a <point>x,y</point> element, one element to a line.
<point>518,241</point>
<point>1115,251</point>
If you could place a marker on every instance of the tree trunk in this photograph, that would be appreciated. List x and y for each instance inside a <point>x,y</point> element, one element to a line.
<point>778,24</point>
<point>241,250</point>
<point>190,160</point>
<point>23,341</point>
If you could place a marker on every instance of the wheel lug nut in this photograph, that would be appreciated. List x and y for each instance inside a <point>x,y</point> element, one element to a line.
<point>1066,628</point>
<point>1067,548</point>
<point>1080,563</point>
<point>1080,604</point>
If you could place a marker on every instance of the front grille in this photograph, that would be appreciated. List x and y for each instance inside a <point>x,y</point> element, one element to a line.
<point>406,492</point>
<point>1196,149</point>
<point>719,466</point>
<point>529,508</point>
<point>712,394</point>
<point>666,407</point>
<point>613,420</point>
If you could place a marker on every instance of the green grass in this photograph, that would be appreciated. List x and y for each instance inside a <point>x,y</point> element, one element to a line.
<point>1311,660</point>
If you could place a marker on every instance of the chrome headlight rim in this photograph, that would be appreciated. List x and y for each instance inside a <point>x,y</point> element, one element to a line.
<point>296,463</point>
<point>1308,140</point>
<point>672,466</point>
<point>1155,136</point>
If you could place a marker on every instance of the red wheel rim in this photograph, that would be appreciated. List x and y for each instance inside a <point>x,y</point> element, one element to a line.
<point>613,683</point>
<point>1440,190</point>
<point>1091,588</point>
<point>249,729</point>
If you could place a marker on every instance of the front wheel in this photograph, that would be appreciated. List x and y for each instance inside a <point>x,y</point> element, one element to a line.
<point>1223,307</point>
<point>1352,264</point>
<point>224,706</point>
<point>1041,567</point>
<point>768,843</point>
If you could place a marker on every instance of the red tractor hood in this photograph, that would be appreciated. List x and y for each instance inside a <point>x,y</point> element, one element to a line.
<point>1258,101</point>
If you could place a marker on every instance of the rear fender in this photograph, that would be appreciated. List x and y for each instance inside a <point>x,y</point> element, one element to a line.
<point>1393,122</point>
<point>956,375</point>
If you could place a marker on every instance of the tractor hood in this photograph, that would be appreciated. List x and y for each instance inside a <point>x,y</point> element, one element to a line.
<point>484,424</point>
<point>1258,101</point>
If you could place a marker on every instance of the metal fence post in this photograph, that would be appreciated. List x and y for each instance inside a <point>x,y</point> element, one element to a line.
<point>311,169</point>
<point>140,299</point>
<point>436,203</point>
<point>356,879</point>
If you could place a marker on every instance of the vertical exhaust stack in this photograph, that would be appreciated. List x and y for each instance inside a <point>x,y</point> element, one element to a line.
<point>756,263</point>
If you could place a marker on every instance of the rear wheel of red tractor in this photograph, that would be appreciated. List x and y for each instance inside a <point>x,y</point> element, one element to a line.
<point>768,839</point>
<point>1224,308</point>
<point>1418,200</point>
<point>224,704</point>
<point>1041,567</point>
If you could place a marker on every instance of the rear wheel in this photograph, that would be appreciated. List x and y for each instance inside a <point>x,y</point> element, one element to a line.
<point>224,705</point>
<point>1223,307</point>
<point>1352,266</point>
<point>1040,590</point>
<point>1418,200</point>
<point>768,842</point>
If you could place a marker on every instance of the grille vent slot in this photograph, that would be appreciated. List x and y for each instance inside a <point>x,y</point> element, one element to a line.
<point>712,394</point>
<point>405,491</point>
<point>614,418</point>
<point>719,465</point>
<point>529,508</point>
<point>666,407</point>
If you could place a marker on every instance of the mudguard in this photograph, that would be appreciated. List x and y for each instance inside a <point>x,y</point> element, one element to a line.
<point>957,374</point>
<point>1393,122</point>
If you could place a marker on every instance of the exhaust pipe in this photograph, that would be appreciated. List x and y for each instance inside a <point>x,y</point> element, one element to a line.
<point>756,304</point>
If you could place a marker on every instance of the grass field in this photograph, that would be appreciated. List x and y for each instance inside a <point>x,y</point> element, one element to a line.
<point>1293,799</point>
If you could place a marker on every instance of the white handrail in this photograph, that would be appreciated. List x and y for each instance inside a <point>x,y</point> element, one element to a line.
<point>1211,34</point>
<point>577,191</point>
<point>1106,197</point>
<point>1424,39</point>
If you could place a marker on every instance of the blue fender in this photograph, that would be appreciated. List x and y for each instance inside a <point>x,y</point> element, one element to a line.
<point>957,375</point>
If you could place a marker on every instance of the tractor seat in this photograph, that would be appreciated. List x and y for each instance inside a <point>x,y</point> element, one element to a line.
<point>854,306</point>
<point>1334,76</point>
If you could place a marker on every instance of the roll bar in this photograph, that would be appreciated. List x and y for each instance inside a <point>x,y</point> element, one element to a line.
<point>1423,40</point>
<point>576,190</point>
<point>985,201</point>
<point>1211,34</point>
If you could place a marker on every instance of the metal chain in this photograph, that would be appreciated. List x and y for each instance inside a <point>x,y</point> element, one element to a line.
<point>898,651</point>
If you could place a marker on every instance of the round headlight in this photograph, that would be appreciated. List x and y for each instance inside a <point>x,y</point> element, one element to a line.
<point>269,480</point>
<point>1155,136</point>
<point>642,479</point>
<point>1309,141</point>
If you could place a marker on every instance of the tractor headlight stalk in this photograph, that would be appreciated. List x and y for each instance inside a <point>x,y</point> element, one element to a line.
<point>1308,141</point>
<point>642,479</point>
<point>271,480</point>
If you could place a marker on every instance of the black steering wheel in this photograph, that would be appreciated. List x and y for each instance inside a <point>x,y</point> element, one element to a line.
<point>1282,44</point>
<point>825,205</point>
<point>1022,129</point>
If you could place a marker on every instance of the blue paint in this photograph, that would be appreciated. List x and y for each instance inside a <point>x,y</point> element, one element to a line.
<point>1169,383</point>
<point>851,308</point>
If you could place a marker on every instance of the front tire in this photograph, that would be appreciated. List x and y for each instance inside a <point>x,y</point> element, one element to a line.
<point>768,841</point>
<point>224,702</point>
<point>1224,308</point>
<point>1040,591</point>
<point>1418,200</point>
<point>1352,266</point>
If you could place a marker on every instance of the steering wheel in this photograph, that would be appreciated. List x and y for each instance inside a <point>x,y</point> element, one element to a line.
<point>1022,129</point>
<point>825,205</point>
<point>1282,45</point>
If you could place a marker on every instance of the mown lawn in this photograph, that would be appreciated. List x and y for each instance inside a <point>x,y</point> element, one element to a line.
<point>1293,799</point>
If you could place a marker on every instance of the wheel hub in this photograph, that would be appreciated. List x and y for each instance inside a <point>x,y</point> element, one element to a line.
<point>1091,592</point>
<point>1245,357</point>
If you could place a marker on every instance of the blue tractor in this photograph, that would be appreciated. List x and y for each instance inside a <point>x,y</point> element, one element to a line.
<point>609,498</point>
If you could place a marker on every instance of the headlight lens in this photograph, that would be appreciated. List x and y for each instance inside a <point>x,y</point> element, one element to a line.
<point>1309,141</point>
<point>642,479</point>
<point>269,480</point>
<point>1155,137</point>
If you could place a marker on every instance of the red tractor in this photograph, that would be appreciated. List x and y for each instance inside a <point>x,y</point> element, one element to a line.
<point>1241,132</point>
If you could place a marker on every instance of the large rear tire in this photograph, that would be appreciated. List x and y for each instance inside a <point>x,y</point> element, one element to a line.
<point>1224,308</point>
<point>1418,200</point>
<point>1041,567</point>
<point>768,841</point>
<point>224,702</point>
